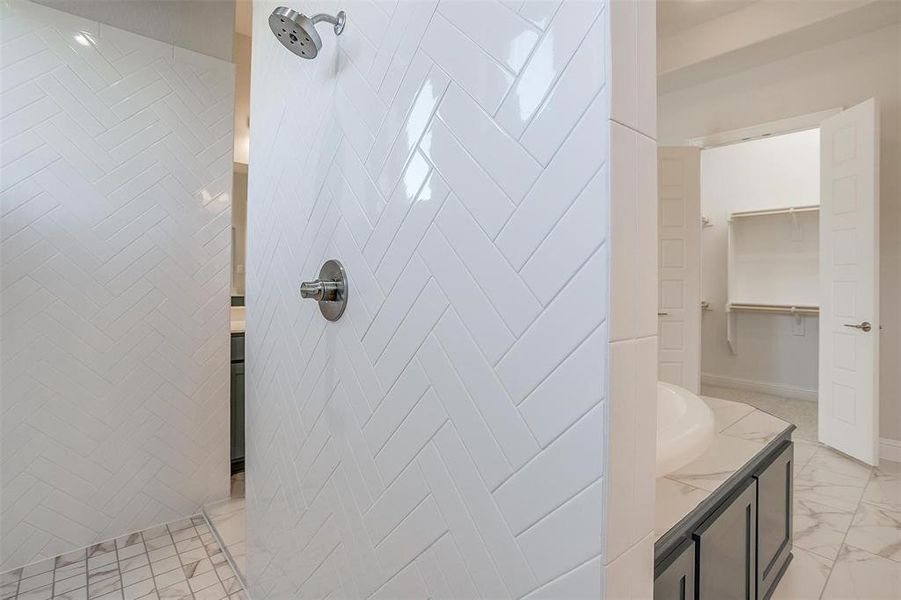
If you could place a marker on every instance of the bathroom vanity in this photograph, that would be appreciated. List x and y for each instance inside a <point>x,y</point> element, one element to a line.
<point>732,540</point>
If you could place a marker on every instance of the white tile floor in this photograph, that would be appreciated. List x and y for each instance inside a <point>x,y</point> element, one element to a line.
<point>847,516</point>
<point>227,518</point>
<point>178,561</point>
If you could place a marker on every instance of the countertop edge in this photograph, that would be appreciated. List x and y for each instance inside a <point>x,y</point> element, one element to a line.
<point>670,540</point>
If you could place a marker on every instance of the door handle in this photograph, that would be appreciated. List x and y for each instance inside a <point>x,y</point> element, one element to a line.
<point>864,326</point>
<point>662,314</point>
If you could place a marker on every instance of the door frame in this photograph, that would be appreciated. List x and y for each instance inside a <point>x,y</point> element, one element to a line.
<point>803,122</point>
<point>794,124</point>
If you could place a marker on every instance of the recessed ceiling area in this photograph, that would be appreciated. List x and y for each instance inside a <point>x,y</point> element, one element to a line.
<point>676,15</point>
<point>702,40</point>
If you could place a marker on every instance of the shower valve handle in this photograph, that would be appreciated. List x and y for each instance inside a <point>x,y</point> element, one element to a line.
<point>330,290</point>
<point>321,291</point>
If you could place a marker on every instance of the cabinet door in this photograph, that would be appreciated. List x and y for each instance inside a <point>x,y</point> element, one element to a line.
<point>676,578</point>
<point>727,548</point>
<point>237,413</point>
<point>774,518</point>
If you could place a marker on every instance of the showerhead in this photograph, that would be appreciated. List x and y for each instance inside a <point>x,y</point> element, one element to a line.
<point>297,32</point>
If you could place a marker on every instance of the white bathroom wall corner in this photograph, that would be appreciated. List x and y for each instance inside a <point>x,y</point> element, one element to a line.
<point>116,193</point>
<point>631,406</point>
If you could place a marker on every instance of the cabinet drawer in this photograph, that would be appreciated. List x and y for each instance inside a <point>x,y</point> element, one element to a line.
<point>774,518</point>
<point>237,347</point>
<point>727,548</point>
<point>675,579</point>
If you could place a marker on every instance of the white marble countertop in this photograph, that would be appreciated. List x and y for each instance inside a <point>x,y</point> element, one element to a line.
<point>237,319</point>
<point>741,432</point>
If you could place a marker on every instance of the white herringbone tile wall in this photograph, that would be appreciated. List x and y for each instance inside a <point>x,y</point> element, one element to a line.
<point>447,437</point>
<point>115,192</point>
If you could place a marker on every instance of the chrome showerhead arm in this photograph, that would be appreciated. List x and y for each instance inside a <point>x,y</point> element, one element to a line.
<point>338,20</point>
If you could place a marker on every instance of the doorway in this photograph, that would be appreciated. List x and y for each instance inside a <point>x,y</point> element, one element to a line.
<point>768,273</point>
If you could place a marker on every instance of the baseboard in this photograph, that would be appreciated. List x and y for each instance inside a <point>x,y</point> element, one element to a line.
<point>890,449</point>
<point>786,391</point>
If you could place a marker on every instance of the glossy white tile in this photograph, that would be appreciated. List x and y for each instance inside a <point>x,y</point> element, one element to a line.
<point>468,64</point>
<point>549,59</point>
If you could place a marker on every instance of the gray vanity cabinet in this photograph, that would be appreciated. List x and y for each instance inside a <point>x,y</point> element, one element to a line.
<point>774,518</point>
<point>237,403</point>
<point>727,548</point>
<point>675,577</point>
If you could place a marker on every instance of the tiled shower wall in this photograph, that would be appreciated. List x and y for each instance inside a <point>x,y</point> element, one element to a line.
<point>448,436</point>
<point>116,182</point>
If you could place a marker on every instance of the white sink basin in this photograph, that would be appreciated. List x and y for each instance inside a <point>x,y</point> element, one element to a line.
<point>684,427</point>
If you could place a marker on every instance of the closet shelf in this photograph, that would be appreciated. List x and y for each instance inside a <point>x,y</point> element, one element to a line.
<point>775,308</point>
<point>775,211</point>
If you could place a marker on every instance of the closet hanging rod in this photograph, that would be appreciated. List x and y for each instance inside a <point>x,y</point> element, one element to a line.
<point>775,211</point>
<point>776,308</point>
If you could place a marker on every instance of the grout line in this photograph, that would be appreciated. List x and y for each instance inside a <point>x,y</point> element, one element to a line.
<point>225,551</point>
<point>845,537</point>
<point>119,566</point>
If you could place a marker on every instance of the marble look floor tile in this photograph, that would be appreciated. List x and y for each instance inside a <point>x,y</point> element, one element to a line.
<point>121,569</point>
<point>828,459</point>
<point>177,591</point>
<point>101,548</point>
<point>819,483</point>
<point>136,575</point>
<point>232,585</point>
<point>10,577</point>
<point>860,574</point>
<point>804,451</point>
<point>101,588</point>
<point>135,562</point>
<point>8,589</point>
<point>725,456</point>
<point>129,540</point>
<point>804,578</point>
<point>214,592</point>
<point>70,583</point>
<point>38,568</point>
<point>76,594</point>
<point>726,412</point>
<point>878,531</point>
<point>203,580</point>
<point>169,578</point>
<point>674,500</point>
<point>144,590</point>
<point>41,593</point>
<point>884,487</point>
<point>756,426</point>
<point>155,532</point>
<point>130,551</point>
<point>37,581</point>
<point>820,528</point>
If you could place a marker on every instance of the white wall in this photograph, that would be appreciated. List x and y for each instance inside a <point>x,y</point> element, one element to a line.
<point>774,172</point>
<point>839,75</point>
<point>116,181</point>
<point>448,436</point>
<point>204,26</point>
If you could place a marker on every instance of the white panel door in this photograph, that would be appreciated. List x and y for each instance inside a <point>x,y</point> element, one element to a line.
<point>679,247</point>
<point>849,294</point>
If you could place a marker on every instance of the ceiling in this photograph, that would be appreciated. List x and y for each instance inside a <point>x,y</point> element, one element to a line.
<point>677,15</point>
